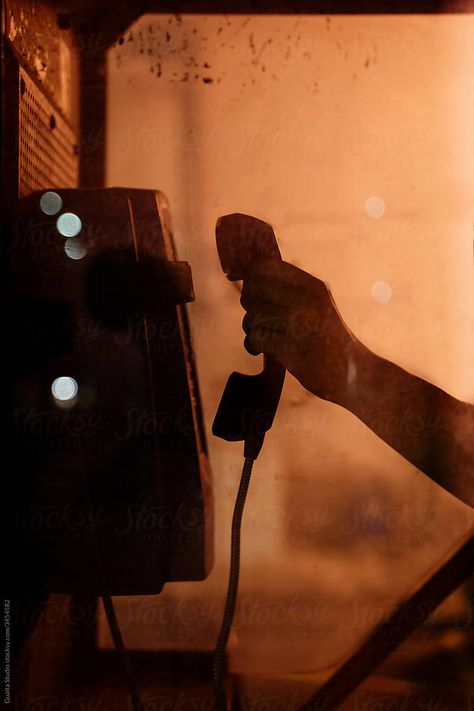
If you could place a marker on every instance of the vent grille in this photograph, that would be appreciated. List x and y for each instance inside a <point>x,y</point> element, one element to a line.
<point>47,144</point>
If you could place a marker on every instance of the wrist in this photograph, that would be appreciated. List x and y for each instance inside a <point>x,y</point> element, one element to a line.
<point>330,373</point>
<point>352,383</point>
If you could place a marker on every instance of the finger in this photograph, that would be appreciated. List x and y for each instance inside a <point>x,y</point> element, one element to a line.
<point>260,289</point>
<point>278,282</point>
<point>250,347</point>
<point>272,317</point>
<point>266,331</point>
<point>262,340</point>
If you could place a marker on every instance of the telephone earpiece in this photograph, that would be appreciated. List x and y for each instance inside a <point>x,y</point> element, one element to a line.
<point>249,402</point>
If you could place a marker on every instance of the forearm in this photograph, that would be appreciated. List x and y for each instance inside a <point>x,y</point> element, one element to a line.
<point>292,316</point>
<point>431,429</point>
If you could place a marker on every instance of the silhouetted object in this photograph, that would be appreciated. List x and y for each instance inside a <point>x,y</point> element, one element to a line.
<point>111,483</point>
<point>248,405</point>
<point>249,402</point>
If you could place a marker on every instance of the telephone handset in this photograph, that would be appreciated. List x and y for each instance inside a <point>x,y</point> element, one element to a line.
<point>249,402</point>
<point>247,406</point>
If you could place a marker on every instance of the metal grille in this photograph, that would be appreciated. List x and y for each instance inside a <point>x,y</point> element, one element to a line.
<point>47,144</point>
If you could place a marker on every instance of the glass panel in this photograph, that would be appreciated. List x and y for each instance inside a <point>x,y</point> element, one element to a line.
<point>353,137</point>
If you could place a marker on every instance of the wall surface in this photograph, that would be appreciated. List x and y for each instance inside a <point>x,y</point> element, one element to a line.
<point>300,121</point>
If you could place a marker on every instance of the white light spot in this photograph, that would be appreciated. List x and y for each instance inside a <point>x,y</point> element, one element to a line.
<point>68,224</point>
<point>374,207</point>
<point>351,373</point>
<point>381,292</point>
<point>64,388</point>
<point>75,248</point>
<point>51,203</point>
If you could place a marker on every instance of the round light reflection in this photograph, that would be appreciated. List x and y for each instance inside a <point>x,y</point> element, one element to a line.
<point>374,207</point>
<point>51,203</point>
<point>75,248</point>
<point>64,388</point>
<point>381,292</point>
<point>68,224</point>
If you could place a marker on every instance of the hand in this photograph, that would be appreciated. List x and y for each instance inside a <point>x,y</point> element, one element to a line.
<point>291,316</point>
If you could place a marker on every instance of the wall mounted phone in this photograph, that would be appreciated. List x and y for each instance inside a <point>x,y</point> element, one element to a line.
<point>97,303</point>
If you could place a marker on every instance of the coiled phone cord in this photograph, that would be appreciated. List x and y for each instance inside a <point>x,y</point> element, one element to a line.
<point>219,653</point>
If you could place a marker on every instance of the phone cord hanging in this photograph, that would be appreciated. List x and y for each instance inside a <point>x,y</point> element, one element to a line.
<point>219,654</point>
